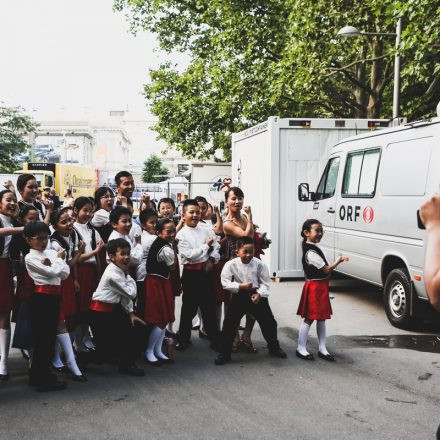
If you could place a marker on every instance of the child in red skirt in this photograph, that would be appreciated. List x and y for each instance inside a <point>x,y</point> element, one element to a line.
<point>8,210</point>
<point>65,238</point>
<point>315,301</point>
<point>159,297</point>
<point>88,269</point>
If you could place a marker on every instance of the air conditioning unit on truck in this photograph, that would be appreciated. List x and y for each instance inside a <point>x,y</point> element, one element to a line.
<point>82,180</point>
<point>367,200</point>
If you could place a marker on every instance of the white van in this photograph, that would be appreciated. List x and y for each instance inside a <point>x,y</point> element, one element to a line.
<point>367,200</point>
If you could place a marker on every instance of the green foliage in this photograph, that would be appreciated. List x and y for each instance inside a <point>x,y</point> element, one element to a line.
<point>154,171</point>
<point>14,125</point>
<point>258,58</point>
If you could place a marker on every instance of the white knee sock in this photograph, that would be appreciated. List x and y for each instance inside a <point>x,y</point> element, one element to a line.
<point>56,361</point>
<point>5,342</point>
<point>64,341</point>
<point>158,347</point>
<point>302,338</point>
<point>155,334</point>
<point>320,330</point>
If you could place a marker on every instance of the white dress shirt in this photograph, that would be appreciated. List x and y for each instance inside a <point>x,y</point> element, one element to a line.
<point>86,235</point>
<point>6,221</point>
<point>256,272</point>
<point>116,287</point>
<point>46,275</point>
<point>100,218</point>
<point>146,242</point>
<point>73,247</point>
<point>135,230</point>
<point>135,251</point>
<point>192,245</point>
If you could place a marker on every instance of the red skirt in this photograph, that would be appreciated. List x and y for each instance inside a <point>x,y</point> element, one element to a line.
<point>25,287</point>
<point>221,295</point>
<point>159,300</point>
<point>88,282</point>
<point>6,285</point>
<point>69,305</point>
<point>315,301</point>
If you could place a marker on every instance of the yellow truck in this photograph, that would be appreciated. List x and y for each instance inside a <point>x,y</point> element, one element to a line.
<point>82,180</point>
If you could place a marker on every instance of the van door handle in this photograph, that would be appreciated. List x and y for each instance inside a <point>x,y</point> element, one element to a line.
<point>330,210</point>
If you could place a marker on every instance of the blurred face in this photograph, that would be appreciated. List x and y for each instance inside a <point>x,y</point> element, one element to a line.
<point>191,215</point>
<point>315,234</point>
<point>39,242</point>
<point>65,224</point>
<point>168,233</point>
<point>166,210</point>
<point>126,186</point>
<point>30,216</point>
<point>46,192</point>
<point>107,201</point>
<point>246,253</point>
<point>8,204</point>
<point>150,225</point>
<point>234,202</point>
<point>121,258</point>
<point>203,209</point>
<point>84,215</point>
<point>30,191</point>
<point>123,225</point>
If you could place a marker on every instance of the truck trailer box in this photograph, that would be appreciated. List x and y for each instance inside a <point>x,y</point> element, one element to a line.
<point>269,160</point>
<point>210,180</point>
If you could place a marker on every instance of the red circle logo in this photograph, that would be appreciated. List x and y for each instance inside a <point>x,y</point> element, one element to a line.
<point>368,214</point>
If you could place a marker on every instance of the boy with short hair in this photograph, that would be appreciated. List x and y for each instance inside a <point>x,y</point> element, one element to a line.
<point>247,278</point>
<point>199,252</point>
<point>111,311</point>
<point>47,268</point>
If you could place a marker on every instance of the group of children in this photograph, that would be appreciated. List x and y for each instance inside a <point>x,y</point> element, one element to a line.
<point>92,275</point>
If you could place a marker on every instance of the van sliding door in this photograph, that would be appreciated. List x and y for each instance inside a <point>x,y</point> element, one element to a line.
<point>324,208</point>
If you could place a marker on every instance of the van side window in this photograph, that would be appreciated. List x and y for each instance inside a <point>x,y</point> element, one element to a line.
<point>327,184</point>
<point>360,173</point>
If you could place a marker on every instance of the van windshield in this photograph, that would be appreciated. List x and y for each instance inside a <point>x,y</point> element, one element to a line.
<point>327,184</point>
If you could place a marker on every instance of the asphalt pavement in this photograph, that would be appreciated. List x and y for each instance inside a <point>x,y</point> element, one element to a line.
<point>383,385</point>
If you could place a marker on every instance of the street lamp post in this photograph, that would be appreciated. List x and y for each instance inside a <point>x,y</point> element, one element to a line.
<point>350,31</point>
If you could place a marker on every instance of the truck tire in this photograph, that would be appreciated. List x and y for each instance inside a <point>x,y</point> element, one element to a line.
<point>397,298</point>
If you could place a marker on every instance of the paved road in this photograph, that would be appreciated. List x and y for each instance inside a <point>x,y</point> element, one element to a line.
<point>375,390</point>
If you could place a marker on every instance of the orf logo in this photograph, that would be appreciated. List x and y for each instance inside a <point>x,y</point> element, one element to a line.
<point>368,214</point>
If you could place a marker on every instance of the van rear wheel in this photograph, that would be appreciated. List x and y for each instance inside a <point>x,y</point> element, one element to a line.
<point>397,298</point>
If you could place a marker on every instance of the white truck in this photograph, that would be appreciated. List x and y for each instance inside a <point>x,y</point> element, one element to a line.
<point>270,160</point>
<point>210,180</point>
<point>367,200</point>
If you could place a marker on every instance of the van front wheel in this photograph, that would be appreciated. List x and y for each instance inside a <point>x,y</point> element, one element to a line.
<point>397,298</point>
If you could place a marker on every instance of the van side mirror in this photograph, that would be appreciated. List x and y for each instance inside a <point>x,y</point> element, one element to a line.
<point>304,193</point>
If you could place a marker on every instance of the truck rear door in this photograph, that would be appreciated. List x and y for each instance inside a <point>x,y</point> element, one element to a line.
<point>324,207</point>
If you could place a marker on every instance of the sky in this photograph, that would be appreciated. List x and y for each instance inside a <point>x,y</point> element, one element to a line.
<point>73,54</point>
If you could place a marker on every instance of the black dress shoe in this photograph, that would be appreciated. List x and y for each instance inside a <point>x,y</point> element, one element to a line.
<point>63,369</point>
<point>79,378</point>
<point>4,377</point>
<point>132,370</point>
<point>203,335</point>
<point>328,357</point>
<point>221,359</point>
<point>51,386</point>
<point>166,361</point>
<point>307,357</point>
<point>181,346</point>
<point>157,363</point>
<point>278,352</point>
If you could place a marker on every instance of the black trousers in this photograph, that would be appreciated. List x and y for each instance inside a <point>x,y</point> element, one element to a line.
<point>44,310</point>
<point>114,337</point>
<point>198,291</point>
<point>240,305</point>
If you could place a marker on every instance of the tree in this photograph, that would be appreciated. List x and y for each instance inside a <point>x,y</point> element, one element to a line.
<point>258,58</point>
<point>14,126</point>
<point>154,171</point>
